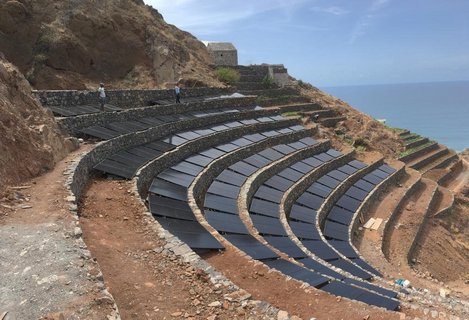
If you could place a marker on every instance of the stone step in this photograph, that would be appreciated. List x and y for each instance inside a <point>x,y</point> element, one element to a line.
<point>251,78</point>
<point>416,143</point>
<point>273,92</point>
<point>255,86</point>
<point>418,153</point>
<point>320,114</point>
<point>428,158</point>
<point>332,121</point>
<point>281,101</point>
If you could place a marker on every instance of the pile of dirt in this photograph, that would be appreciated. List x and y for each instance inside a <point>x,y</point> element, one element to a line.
<point>30,140</point>
<point>77,44</point>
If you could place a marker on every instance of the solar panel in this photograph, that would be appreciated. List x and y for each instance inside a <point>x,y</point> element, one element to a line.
<point>257,161</point>
<point>297,145</point>
<point>299,273</point>
<point>271,133</point>
<point>310,200</point>
<point>220,203</point>
<point>365,186</point>
<point>302,167</point>
<point>366,266</point>
<point>319,190</point>
<point>371,178</point>
<point>284,149</point>
<point>241,142</point>
<point>100,132</point>
<point>316,266</point>
<point>271,154</point>
<point>116,168</point>
<point>199,160</point>
<point>176,177</point>
<point>204,132</point>
<point>212,153</point>
<point>380,174</point>
<point>265,208</point>
<point>344,247</point>
<point>168,189</point>
<point>387,168</point>
<point>279,183</point>
<point>159,145</point>
<point>231,177</point>
<point>191,232</point>
<point>248,121</point>
<point>369,286</point>
<point>356,193</point>
<point>174,140</point>
<point>220,127</point>
<point>255,137</point>
<point>170,208</point>
<point>335,230</point>
<point>324,157</point>
<point>224,189</point>
<point>267,225</point>
<point>269,194</point>
<point>351,268</point>
<point>251,246</point>
<point>340,215</point>
<point>348,203</point>
<point>347,169</point>
<point>357,164</point>
<point>338,175</point>
<point>321,249</point>
<point>312,161</point>
<point>304,230</point>
<point>224,222</point>
<point>264,119</point>
<point>328,181</point>
<point>227,147</point>
<point>188,168</point>
<point>284,244</point>
<point>290,174</point>
<point>303,214</point>
<point>334,153</point>
<point>188,135</point>
<point>309,141</point>
<point>234,124</point>
<point>243,168</point>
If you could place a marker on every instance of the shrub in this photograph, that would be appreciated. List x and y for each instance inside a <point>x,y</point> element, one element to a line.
<point>268,81</point>
<point>227,75</point>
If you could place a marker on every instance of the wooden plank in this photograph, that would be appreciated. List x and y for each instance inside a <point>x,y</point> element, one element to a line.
<point>369,223</point>
<point>376,224</point>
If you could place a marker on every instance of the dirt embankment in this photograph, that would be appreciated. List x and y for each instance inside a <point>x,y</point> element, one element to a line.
<point>358,129</point>
<point>30,140</point>
<point>77,44</point>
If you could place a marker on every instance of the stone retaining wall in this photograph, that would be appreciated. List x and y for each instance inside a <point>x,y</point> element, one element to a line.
<point>122,98</point>
<point>73,125</point>
<point>418,153</point>
<point>146,174</point>
<point>418,236</point>
<point>340,190</point>
<point>106,148</point>
<point>205,180</point>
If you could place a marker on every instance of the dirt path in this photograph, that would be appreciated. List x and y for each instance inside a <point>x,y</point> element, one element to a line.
<point>46,271</point>
<point>145,278</point>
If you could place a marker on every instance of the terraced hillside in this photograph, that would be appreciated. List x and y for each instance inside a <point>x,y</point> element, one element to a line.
<point>265,202</point>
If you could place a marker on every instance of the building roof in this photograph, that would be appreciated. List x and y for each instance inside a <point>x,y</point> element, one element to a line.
<point>221,46</point>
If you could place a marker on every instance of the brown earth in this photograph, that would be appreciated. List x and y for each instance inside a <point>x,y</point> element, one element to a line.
<point>359,129</point>
<point>76,45</point>
<point>30,140</point>
<point>149,283</point>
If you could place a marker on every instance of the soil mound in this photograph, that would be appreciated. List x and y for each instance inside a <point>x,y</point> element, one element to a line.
<point>30,140</point>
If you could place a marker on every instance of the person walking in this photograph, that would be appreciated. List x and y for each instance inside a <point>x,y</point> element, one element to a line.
<point>177,91</point>
<point>102,95</point>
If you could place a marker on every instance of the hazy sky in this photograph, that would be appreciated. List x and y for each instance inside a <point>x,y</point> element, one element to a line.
<point>337,42</point>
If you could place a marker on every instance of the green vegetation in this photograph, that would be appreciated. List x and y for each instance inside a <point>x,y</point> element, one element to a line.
<point>413,139</point>
<point>412,150</point>
<point>410,136</point>
<point>227,75</point>
<point>268,81</point>
<point>304,85</point>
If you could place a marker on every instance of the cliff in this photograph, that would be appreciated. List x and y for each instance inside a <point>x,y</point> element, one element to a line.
<point>77,44</point>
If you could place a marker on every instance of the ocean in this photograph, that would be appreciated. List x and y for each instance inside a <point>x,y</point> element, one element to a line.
<point>438,110</point>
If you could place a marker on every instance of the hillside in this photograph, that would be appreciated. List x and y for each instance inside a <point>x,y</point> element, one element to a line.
<point>77,44</point>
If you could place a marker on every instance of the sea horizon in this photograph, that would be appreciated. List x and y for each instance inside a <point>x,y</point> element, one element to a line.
<point>437,109</point>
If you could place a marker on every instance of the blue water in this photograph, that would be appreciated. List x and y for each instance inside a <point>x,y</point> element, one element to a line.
<point>438,110</point>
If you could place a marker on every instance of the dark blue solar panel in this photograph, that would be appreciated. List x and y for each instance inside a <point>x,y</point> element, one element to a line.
<point>348,203</point>
<point>356,193</point>
<point>319,189</point>
<point>335,230</point>
<point>168,189</point>
<point>340,215</point>
<point>285,245</point>
<point>304,230</point>
<point>243,168</point>
<point>328,181</point>
<point>167,207</point>
<point>312,161</point>
<point>371,178</point>
<point>224,189</point>
<point>290,174</point>
<point>231,177</point>
<point>344,247</point>
<point>351,268</point>
<point>301,167</point>
<point>357,164</point>
<point>269,194</point>
<point>303,214</point>
<point>271,154</point>
<point>316,266</point>
<point>365,186</point>
<point>347,169</point>
<point>221,203</point>
<point>251,246</point>
<point>267,225</point>
<point>265,208</point>
<point>279,183</point>
<point>321,249</point>
<point>224,222</point>
<point>296,272</point>
<point>310,200</point>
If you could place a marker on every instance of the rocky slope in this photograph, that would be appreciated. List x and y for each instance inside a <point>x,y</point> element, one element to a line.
<point>30,140</point>
<point>77,44</point>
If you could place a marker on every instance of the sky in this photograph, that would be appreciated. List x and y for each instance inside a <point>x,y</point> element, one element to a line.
<point>337,42</point>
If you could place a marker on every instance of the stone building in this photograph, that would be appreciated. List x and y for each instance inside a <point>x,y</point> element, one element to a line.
<point>223,53</point>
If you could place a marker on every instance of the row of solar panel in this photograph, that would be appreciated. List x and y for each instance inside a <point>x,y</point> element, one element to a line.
<point>125,163</point>
<point>228,223</point>
<point>339,218</point>
<point>115,129</point>
<point>71,111</point>
<point>172,183</point>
